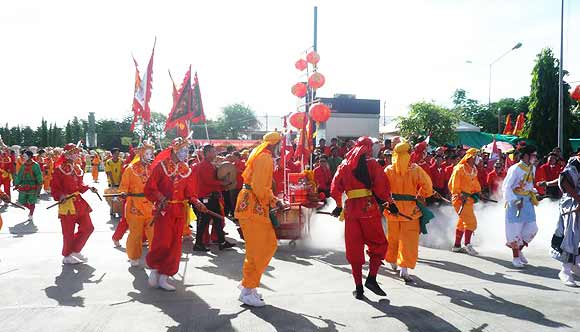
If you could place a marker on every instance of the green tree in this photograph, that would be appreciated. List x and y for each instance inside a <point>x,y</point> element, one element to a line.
<point>42,134</point>
<point>28,137</point>
<point>470,111</point>
<point>77,130</point>
<point>542,120</point>
<point>68,135</point>
<point>236,120</point>
<point>15,136</point>
<point>427,118</point>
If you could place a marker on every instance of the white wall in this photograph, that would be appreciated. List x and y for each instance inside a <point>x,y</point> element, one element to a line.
<point>352,125</point>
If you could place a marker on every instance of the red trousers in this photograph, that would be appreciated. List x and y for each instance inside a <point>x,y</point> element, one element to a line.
<point>364,230</point>
<point>74,242</point>
<point>121,229</point>
<point>165,252</point>
<point>6,184</point>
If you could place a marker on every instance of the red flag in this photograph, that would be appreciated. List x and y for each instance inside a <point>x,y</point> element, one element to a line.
<point>182,104</point>
<point>142,92</point>
<point>494,150</point>
<point>174,93</point>
<point>197,105</point>
<point>519,125</point>
<point>508,125</point>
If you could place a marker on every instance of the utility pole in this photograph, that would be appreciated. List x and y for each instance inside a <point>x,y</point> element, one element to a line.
<point>561,85</point>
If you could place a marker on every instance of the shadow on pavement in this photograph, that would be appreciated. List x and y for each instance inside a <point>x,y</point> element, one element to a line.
<point>187,309</point>
<point>284,320</point>
<point>492,304</point>
<point>496,278</point>
<point>416,319</point>
<point>23,228</point>
<point>71,281</point>
<point>540,271</point>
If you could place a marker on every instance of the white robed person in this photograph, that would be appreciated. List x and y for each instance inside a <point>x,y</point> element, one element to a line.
<point>566,239</point>
<point>521,198</point>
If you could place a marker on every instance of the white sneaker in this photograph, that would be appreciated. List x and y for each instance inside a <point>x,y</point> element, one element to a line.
<point>117,244</point>
<point>523,258</point>
<point>153,278</point>
<point>70,260</point>
<point>240,287</point>
<point>517,263</point>
<point>404,274</point>
<point>164,283</point>
<point>458,249</point>
<point>252,299</point>
<point>576,269</point>
<point>394,267</point>
<point>470,250</point>
<point>80,257</point>
<point>566,275</point>
<point>135,262</point>
<point>30,217</point>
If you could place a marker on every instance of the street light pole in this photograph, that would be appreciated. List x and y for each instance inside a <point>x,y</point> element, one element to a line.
<point>518,45</point>
<point>561,85</point>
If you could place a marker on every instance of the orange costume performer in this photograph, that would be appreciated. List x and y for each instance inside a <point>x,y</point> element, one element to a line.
<point>3,197</point>
<point>410,184</point>
<point>95,163</point>
<point>362,179</point>
<point>465,189</point>
<point>253,212</point>
<point>170,189</point>
<point>67,186</point>
<point>48,171</point>
<point>138,210</point>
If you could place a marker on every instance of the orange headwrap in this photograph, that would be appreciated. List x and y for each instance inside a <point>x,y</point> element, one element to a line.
<point>271,138</point>
<point>469,154</point>
<point>401,158</point>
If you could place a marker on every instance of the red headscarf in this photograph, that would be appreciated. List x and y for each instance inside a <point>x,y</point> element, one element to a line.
<point>362,147</point>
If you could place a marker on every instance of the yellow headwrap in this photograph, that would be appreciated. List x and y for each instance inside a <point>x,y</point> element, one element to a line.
<point>469,154</point>
<point>401,157</point>
<point>271,138</point>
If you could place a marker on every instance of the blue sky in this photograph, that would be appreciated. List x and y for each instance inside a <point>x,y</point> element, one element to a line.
<point>66,57</point>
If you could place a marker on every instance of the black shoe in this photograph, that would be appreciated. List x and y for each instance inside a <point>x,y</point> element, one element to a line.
<point>200,247</point>
<point>226,245</point>
<point>373,285</point>
<point>359,292</point>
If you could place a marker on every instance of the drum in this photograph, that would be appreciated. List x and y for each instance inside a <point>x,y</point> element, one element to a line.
<point>227,172</point>
<point>114,202</point>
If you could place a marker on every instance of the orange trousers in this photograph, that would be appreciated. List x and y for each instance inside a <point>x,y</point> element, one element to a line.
<point>467,220</point>
<point>403,238</point>
<point>261,244</point>
<point>138,227</point>
<point>95,173</point>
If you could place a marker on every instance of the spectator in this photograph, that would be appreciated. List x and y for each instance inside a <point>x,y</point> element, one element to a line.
<point>548,172</point>
<point>322,176</point>
<point>495,179</point>
<point>334,160</point>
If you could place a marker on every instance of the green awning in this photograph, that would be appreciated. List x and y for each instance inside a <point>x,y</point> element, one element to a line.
<point>575,142</point>
<point>476,139</point>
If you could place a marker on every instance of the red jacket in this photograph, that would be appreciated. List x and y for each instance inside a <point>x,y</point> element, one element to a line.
<point>345,181</point>
<point>547,172</point>
<point>66,180</point>
<point>495,180</point>
<point>207,181</point>
<point>322,177</point>
<point>437,174</point>
<point>178,189</point>
<point>240,167</point>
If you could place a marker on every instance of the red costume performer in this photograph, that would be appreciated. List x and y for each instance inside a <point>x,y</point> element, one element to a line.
<point>171,190</point>
<point>362,179</point>
<point>323,176</point>
<point>6,171</point>
<point>67,186</point>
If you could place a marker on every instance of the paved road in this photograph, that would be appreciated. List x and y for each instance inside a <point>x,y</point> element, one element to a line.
<point>307,288</point>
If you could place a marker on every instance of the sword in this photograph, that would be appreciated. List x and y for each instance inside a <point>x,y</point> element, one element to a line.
<point>520,205</point>
<point>461,208</point>
<point>441,197</point>
<point>123,194</point>
<point>16,205</point>
<point>98,195</point>
<point>488,200</point>
<point>61,201</point>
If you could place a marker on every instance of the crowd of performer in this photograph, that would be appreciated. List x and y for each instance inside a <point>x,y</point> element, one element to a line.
<point>157,195</point>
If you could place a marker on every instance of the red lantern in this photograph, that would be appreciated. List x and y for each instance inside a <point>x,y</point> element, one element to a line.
<point>319,112</point>
<point>297,119</point>
<point>316,80</point>
<point>299,89</point>
<point>576,93</point>
<point>301,64</point>
<point>313,57</point>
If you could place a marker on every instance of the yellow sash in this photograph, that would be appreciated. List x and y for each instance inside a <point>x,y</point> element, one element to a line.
<point>355,193</point>
<point>530,193</point>
<point>68,207</point>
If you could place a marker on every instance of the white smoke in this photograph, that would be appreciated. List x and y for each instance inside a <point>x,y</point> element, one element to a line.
<point>327,232</point>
